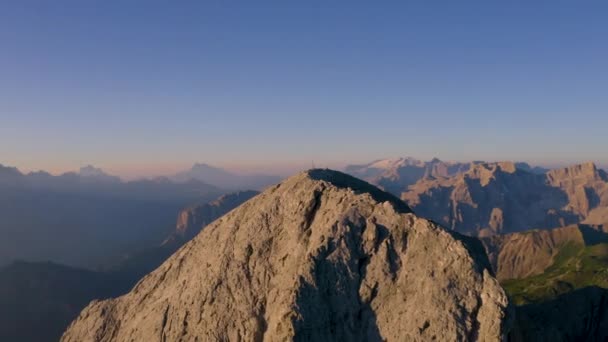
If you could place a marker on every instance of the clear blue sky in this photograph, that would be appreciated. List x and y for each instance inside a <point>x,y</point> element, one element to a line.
<point>150,85</point>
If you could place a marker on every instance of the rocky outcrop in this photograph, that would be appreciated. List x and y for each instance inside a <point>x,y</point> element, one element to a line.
<point>191,220</point>
<point>495,198</point>
<point>587,189</point>
<point>322,256</point>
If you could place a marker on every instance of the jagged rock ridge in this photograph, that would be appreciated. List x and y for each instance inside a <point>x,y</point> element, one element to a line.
<point>493,198</point>
<point>395,175</point>
<point>322,256</point>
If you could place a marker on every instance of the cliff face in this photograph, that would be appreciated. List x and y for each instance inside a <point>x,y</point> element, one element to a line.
<point>587,189</point>
<point>494,198</point>
<point>322,256</point>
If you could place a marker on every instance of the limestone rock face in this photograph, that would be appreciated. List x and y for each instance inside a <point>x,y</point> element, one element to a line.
<point>587,189</point>
<point>322,257</point>
<point>499,198</point>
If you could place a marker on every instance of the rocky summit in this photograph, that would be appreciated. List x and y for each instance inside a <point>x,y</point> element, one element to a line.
<point>322,256</point>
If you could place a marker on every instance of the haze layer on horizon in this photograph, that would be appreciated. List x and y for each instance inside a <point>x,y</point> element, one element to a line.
<point>152,89</point>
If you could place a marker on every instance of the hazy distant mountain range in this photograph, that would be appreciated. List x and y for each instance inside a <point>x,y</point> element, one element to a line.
<point>82,218</point>
<point>225,179</point>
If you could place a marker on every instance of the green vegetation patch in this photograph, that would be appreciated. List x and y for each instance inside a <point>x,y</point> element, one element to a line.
<point>574,267</point>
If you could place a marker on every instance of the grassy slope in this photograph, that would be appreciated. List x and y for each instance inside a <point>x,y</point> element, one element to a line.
<point>575,266</point>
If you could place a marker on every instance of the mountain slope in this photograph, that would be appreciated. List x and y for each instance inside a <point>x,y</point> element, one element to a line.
<point>529,253</point>
<point>574,267</point>
<point>558,278</point>
<point>322,256</point>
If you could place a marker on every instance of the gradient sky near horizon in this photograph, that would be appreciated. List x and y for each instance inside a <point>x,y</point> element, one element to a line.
<point>149,87</point>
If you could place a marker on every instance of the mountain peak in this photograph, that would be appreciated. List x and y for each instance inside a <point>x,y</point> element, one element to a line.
<point>205,166</point>
<point>91,171</point>
<point>94,173</point>
<point>9,170</point>
<point>222,178</point>
<point>345,181</point>
<point>494,167</point>
<point>507,166</point>
<point>584,170</point>
<point>485,172</point>
<point>318,258</point>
